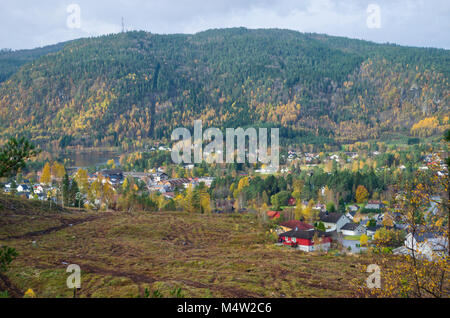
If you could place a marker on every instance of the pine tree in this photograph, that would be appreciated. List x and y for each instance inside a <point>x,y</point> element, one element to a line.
<point>13,187</point>
<point>65,190</point>
<point>13,155</point>
<point>74,194</point>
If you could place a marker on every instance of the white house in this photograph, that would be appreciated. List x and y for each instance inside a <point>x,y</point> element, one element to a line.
<point>428,245</point>
<point>334,157</point>
<point>370,230</point>
<point>23,188</point>
<point>267,170</point>
<point>333,221</point>
<point>159,176</point>
<point>373,206</point>
<point>284,170</point>
<point>434,206</point>
<point>38,189</point>
<point>353,229</point>
<point>162,148</point>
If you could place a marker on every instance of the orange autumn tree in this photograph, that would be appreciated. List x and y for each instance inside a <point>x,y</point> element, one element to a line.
<point>46,175</point>
<point>421,267</point>
<point>361,194</point>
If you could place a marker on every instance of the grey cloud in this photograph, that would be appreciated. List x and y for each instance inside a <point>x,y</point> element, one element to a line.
<point>27,24</point>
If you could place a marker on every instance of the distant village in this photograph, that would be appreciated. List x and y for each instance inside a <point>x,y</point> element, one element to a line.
<point>155,182</point>
<point>347,230</point>
<point>352,231</point>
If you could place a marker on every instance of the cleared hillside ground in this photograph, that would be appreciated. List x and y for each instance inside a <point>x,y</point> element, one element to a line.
<point>122,254</point>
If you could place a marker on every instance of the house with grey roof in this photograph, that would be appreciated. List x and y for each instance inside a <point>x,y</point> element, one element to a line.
<point>426,245</point>
<point>350,215</point>
<point>333,221</point>
<point>353,229</point>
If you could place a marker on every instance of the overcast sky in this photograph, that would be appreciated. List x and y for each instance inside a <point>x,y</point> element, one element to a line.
<point>30,23</point>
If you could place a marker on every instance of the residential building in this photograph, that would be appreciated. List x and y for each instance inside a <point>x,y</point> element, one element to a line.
<point>295,224</point>
<point>353,229</point>
<point>428,245</point>
<point>350,215</point>
<point>114,175</point>
<point>23,188</point>
<point>370,230</point>
<point>304,240</point>
<point>159,176</point>
<point>374,205</point>
<point>333,221</point>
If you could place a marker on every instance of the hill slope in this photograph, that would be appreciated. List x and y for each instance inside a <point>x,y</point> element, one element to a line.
<point>11,61</point>
<point>127,88</point>
<point>122,254</point>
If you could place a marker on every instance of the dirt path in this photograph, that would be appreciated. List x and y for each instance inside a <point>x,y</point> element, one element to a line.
<point>12,290</point>
<point>66,224</point>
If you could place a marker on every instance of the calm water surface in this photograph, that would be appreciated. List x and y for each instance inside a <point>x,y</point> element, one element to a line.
<point>90,158</point>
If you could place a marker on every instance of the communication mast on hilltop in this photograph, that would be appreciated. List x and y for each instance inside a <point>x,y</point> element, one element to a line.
<point>123,26</point>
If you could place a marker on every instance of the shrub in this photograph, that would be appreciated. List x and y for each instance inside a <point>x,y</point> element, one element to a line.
<point>7,255</point>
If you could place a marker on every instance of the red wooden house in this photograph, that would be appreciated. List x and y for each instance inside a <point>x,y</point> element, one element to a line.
<point>304,240</point>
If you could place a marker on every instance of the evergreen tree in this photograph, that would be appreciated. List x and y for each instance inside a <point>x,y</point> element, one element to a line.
<point>13,155</point>
<point>74,194</point>
<point>65,190</point>
<point>13,187</point>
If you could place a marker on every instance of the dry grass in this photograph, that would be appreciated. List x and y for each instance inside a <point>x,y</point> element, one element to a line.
<point>122,254</point>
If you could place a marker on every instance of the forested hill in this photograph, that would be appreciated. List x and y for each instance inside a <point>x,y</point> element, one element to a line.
<point>131,87</point>
<point>11,61</point>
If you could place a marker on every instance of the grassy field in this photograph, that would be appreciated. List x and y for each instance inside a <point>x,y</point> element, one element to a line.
<point>125,254</point>
<point>352,237</point>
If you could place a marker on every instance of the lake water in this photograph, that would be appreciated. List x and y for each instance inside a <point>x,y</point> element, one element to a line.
<point>90,158</point>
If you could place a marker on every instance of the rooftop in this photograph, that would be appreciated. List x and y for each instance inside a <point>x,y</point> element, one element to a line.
<point>302,234</point>
<point>330,217</point>
<point>350,226</point>
<point>295,224</point>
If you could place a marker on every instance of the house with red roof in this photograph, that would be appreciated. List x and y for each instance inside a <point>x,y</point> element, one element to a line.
<point>273,215</point>
<point>295,224</point>
<point>307,241</point>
